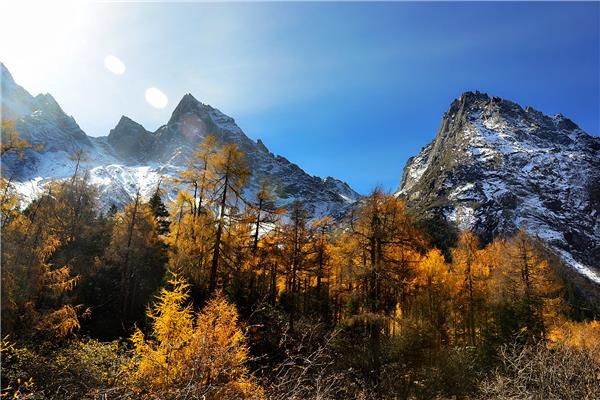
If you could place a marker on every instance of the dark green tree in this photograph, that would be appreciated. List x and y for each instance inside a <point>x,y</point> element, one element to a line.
<point>160,211</point>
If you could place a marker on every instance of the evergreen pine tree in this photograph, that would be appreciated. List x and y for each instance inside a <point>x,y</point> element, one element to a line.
<point>160,212</point>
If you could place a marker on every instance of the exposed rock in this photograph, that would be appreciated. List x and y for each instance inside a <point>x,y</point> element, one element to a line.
<point>132,158</point>
<point>495,167</point>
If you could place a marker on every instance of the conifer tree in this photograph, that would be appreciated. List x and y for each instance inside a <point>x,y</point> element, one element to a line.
<point>385,241</point>
<point>199,174</point>
<point>527,289</point>
<point>137,252</point>
<point>263,210</point>
<point>471,275</point>
<point>11,142</point>
<point>230,175</point>
<point>34,290</point>
<point>295,239</point>
<point>200,356</point>
<point>161,214</point>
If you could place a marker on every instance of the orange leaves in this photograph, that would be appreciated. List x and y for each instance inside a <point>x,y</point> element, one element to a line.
<point>11,141</point>
<point>135,234</point>
<point>204,357</point>
<point>217,346</point>
<point>156,364</point>
<point>61,322</point>
<point>230,164</point>
<point>189,243</point>
<point>32,286</point>
<point>171,316</point>
<point>577,335</point>
<point>433,269</point>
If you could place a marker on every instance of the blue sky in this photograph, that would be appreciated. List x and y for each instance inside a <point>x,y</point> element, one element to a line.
<point>349,90</point>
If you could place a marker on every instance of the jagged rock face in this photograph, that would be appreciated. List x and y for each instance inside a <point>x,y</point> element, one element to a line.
<point>174,143</point>
<point>495,167</point>
<point>132,158</point>
<point>41,122</point>
<point>130,141</point>
<point>16,101</point>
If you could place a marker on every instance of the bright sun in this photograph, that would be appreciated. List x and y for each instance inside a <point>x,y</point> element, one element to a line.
<point>41,33</point>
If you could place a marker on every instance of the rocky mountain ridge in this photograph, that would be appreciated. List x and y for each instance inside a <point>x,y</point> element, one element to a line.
<point>495,167</point>
<point>132,158</point>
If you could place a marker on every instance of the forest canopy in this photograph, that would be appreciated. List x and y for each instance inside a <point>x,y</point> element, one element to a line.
<point>216,295</point>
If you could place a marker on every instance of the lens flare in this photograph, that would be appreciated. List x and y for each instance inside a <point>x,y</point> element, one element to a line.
<point>114,65</point>
<point>156,97</point>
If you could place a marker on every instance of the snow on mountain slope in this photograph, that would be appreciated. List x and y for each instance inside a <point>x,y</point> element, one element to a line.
<point>131,158</point>
<point>496,167</point>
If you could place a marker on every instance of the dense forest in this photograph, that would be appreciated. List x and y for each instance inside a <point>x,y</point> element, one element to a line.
<point>219,296</point>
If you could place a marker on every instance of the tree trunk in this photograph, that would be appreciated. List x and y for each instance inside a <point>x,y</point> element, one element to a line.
<point>217,250</point>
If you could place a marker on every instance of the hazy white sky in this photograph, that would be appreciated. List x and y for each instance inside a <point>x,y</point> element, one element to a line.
<point>218,52</point>
<point>62,48</point>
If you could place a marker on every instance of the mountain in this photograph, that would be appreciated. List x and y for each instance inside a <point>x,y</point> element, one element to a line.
<point>132,158</point>
<point>495,167</point>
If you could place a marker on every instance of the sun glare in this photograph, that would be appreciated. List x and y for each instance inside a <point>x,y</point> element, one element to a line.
<point>156,98</point>
<point>38,36</point>
<point>114,65</point>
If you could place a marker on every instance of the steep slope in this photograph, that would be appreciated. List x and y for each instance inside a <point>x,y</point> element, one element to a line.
<point>131,158</point>
<point>495,167</point>
<point>16,101</point>
<point>130,141</point>
<point>172,145</point>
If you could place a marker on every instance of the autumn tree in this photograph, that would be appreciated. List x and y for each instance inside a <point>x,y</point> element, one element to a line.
<point>434,282</point>
<point>263,211</point>
<point>230,175</point>
<point>199,174</point>
<point>198,355</point>
<point>320,265</point>
<point>252,239</point>
<point>295,243</point>
<point>527,291</point>
<point>9,201</point>
<point>271,263</point>
<point>385,239</point>
<point>72,213</point>
<point>138,254</point>
<point>388,240</point>
<point>34,290</point>
<point>11,141</point>
<point>192,230</point>
<point>190,244</point>
<point>471,276</point>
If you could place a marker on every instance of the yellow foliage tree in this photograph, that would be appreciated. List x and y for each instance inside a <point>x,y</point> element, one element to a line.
<point>136,251</point>
<point>9,201</point>
<point>577,335</point>
<point>11,142</point>
<point>200,174</point>
<point>525,280</point>
<point>201,359</point>
<point>33,288</point>
<point>471,275</point>
<point>189,242</point>
<point>434,282</point>
<point>231,172</point>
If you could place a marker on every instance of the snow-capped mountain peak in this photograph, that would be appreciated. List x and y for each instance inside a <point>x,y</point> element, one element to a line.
<point>495,167</point>
<point>131,158</point>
